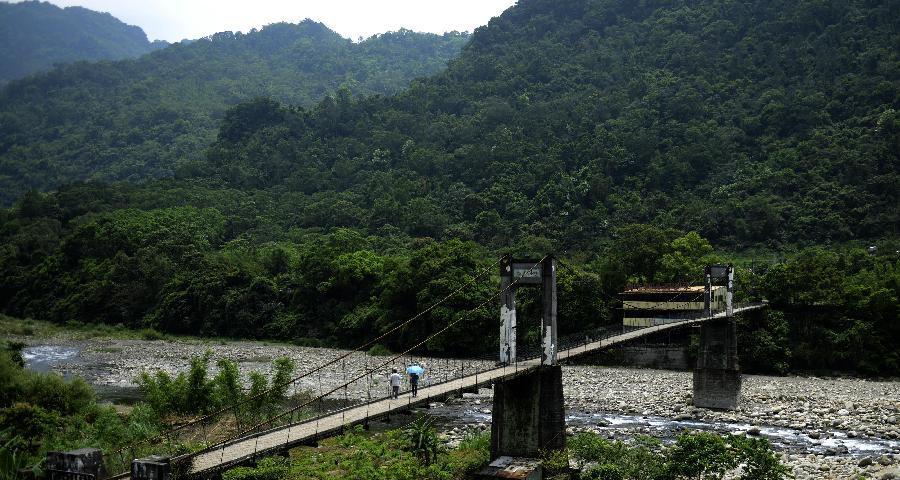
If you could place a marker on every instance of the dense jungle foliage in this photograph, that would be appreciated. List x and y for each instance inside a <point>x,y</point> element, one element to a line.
<point>143,118</point>
<point>751,122</point>
<point>35,36</point>
<point>638,141</point>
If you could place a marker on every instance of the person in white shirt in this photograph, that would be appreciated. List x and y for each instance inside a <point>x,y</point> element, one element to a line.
<point>395,383</point>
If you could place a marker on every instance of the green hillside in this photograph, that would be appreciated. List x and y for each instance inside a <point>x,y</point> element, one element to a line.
<point>637,140</point>
<point>752,122</point>
<point>141,119</point>
<point>34,36</point>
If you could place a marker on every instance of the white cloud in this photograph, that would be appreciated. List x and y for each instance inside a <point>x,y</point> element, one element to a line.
<point>175,20</point>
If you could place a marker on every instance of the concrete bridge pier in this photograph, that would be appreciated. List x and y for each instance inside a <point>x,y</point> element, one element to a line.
<point>82,463</point>
<point>528,415</point>
<point>154,467</point>
<point>717,378</point>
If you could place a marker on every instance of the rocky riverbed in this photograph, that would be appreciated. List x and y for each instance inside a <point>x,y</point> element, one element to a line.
<point>835,414</point>
<point>116,364</point>
<point>828,428</point>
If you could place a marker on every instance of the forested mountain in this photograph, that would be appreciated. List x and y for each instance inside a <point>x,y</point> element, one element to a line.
<point>140,119</point>
<point>34,36</point>
<point>751,122</point>
<point>628,137</point>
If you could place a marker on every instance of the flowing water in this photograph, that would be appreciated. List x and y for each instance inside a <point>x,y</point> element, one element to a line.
<point>628,426</point>
<point>47,358</point>
<point>43,358</point>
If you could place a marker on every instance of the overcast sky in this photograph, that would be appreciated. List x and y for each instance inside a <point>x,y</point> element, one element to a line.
<point>175,20</point>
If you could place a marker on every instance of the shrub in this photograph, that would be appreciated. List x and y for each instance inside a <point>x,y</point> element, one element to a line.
<point>12,458</point>
<point>195,392</point>
<point>11,379</point>
<point>555,461</point>
<point>379,350</point>
<point>760,462</point>
<point>606,471</point>
<point>152,335</point>
<point>227,385</point>
<point>272,468</point>
<point>474,452</point>
<point>700,455</point>
<point>423,440</point>
<point>54,393</point>
<point>590,448</point>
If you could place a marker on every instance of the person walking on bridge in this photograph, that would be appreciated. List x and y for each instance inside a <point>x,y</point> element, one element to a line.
<point>395,383</point>
<point>415,372</point>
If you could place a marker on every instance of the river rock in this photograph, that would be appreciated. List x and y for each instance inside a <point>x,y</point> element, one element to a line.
<point>889,474</point>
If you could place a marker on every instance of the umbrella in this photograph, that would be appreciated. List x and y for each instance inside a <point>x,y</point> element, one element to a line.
<point>415,369</point>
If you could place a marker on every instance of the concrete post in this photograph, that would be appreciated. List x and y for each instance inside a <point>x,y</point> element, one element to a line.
<point>507,313</point>
<point>151,468</point>
<point>528,414</point>
<point>707,292</point>
<point>548,320</point>
<point>729,294</point>
<point>88,461</point>
<point>717,378</point>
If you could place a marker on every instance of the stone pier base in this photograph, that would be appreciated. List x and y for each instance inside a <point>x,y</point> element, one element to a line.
<point>717,378</point>
<point>151,468</point>
<point>66,465</point>
<point>529,414</point>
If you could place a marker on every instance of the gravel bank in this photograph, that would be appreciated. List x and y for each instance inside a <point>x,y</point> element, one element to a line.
<point>118,363</point>
<point>828,410</point>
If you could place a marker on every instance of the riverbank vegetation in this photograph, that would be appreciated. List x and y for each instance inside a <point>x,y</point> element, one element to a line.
<point>394,456</point>
<point>42,412</point>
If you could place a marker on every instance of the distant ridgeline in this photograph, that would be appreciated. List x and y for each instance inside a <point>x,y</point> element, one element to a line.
<point>34,36</point>
<point>751,122</point>
<point>609,132</point>
<point>144,118</point>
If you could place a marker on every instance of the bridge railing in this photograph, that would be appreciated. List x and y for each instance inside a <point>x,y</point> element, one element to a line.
<point>583,339</point>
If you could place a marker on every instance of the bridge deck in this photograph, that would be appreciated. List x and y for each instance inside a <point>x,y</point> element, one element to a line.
<point>278,439</point>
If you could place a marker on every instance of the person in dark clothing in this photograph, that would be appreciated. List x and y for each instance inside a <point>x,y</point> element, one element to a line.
<point>414,383</point>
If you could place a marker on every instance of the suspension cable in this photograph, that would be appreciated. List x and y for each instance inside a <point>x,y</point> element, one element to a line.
<point>383,364</point>
<point>247,400</point>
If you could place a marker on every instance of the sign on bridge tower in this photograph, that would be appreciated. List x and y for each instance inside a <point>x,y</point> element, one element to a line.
<point>528,273</point>
<point>528,417</point>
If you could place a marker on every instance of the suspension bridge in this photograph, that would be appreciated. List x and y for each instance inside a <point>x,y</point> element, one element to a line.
<point>520,382</point>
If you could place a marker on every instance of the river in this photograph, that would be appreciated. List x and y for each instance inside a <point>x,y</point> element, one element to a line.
<point>824,426</point>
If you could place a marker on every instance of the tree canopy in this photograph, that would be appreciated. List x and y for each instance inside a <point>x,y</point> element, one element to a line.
<point>150,117</point>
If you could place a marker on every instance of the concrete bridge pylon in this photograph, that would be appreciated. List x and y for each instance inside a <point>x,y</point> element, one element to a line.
<point>717,378</point>
<point>528,413</point>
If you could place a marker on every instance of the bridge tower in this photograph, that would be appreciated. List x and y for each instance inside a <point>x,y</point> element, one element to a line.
<point>717,378</point>
<point>528,415</point>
